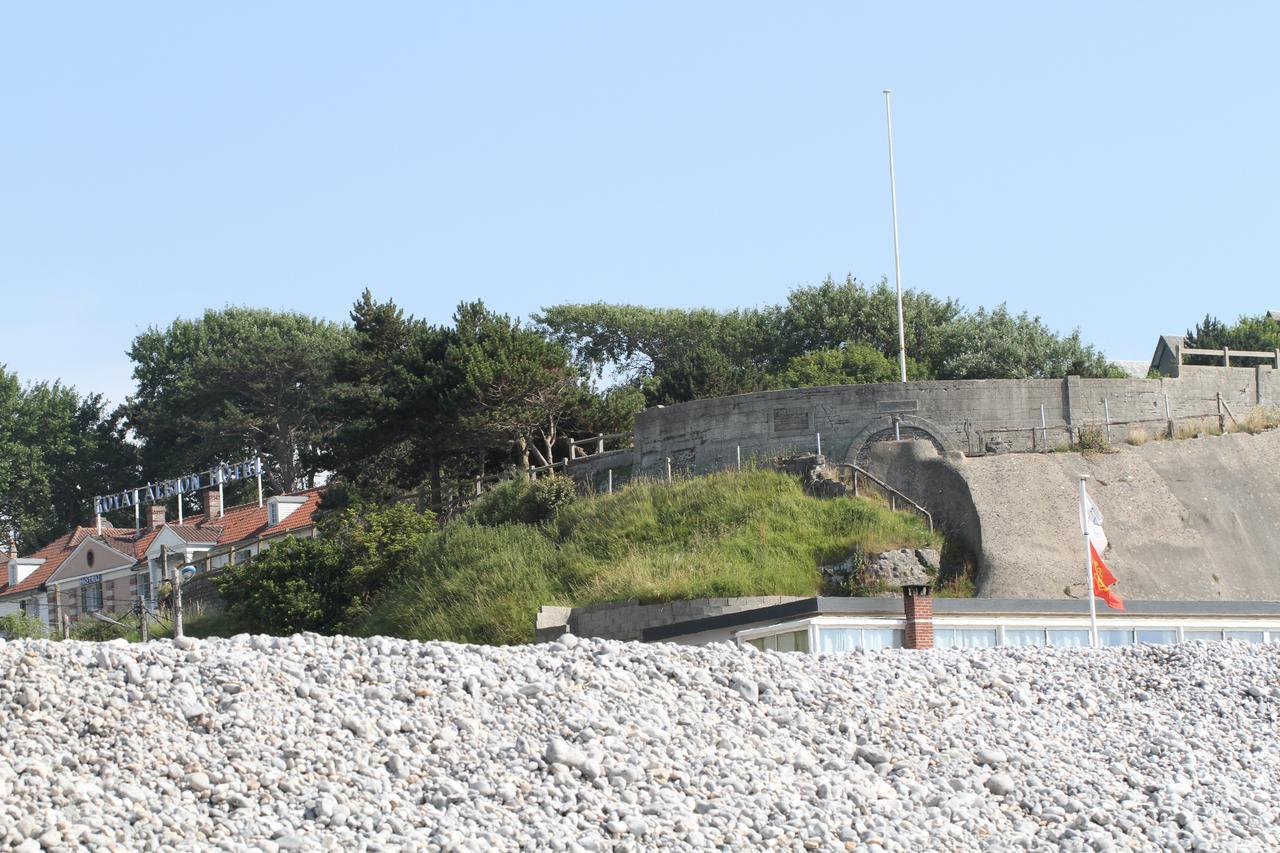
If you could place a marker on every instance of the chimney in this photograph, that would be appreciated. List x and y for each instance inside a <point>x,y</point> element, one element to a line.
<point>212,505</point>
<point>13,546</point>
<point>917,606</point>
<point>155,516</point>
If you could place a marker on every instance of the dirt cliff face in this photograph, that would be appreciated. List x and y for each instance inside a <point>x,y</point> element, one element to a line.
<point>1190,519</point>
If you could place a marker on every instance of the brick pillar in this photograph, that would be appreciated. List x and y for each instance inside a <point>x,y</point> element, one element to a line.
<point>917,605</point>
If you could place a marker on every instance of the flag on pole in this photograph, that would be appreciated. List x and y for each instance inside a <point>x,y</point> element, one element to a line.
<point>1103,580</point>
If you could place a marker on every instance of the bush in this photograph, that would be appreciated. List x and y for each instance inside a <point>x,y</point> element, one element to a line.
<point>1091,439</point>
<point>324,584</point>
<point>522,501</point>
<point>94,630</point>
<point>21,626</point>
<point>296,585</point>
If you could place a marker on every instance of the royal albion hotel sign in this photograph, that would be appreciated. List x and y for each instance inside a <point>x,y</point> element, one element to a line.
<point>156,492</point>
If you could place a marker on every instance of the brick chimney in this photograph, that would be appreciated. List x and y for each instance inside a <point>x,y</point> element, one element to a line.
<point>155,516</point>
<point>13,546</point>
<point>212,505</point>
<point>917,606</point>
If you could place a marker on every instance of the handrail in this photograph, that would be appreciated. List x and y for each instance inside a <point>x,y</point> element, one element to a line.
<point>859,471</point>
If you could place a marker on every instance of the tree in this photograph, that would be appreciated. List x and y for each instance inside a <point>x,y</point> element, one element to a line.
<point>58,450</point>
<point>677,355</point>
<point>414,402</point>
<point>325,584</point>
<point>852,365</point>
<point>236,382</point>
<point>999,345</point>
<point>1257,334</point>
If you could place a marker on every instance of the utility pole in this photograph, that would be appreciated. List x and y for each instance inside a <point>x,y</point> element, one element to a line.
<point>142,619</point>
<point>897,258</point>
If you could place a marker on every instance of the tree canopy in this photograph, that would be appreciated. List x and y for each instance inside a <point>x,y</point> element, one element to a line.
<point>58,450</point>
<point>823,334</point>
<point>236,382</point>
<point>1260,334</point>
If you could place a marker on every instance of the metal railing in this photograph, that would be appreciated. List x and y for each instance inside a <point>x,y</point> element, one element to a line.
<point>891,494</point>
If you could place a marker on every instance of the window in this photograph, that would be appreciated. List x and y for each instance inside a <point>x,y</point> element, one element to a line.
<point>144,586</point>
<point>1209,636</point>
<point>1158,636</point>
<point>1068,637</point>
<point>1024,637</point>
<point>848,639</point>
<point>91,597</point>
<point>964,638</point>
<point>791,641</point>
<point>1115,637</point>
<point>1247,636</point>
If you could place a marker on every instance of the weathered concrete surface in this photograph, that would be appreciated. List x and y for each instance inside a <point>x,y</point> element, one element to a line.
<point>1189,519</point>
<point>974,417</point>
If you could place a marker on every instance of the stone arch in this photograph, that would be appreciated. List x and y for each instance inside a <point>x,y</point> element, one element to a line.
<point>881,429</point>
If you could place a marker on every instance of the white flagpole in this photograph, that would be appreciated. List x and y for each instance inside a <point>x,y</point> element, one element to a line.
<point>1088,568</point>
<point>257,464</point>
<point>897,257</point>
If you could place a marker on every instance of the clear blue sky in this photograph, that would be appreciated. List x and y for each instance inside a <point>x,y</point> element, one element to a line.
<point>1108,166</point>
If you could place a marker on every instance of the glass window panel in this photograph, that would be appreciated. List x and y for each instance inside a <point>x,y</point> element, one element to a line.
<point>1024,637</point>
<point>1247,636</point>
<point>944,638</point>
<point>787,642</point>
<point>839,639</point>
<point>1157,636</point>
<point>1208,636</point>
<point>1274,636</point>
<point>1068,637</point>
<point>883,638</point>
<point>1115,637</point>
<point>802,641</point>
<point>975,637</point>
<point>758,643</point>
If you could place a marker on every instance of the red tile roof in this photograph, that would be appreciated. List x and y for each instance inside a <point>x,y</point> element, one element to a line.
<point>249,521</point>
<point>237,524</point>
<point>59,549</point>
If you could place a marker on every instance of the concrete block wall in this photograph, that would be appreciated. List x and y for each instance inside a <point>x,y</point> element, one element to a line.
<point>626,620</point>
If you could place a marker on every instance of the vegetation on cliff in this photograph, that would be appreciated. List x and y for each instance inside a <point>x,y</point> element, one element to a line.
<point>483,578</point>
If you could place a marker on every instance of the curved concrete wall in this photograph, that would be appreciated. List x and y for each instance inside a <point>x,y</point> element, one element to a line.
<point>975,417</point>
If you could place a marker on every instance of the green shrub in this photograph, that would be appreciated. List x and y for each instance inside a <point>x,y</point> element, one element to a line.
<point>296,585</point>
<point>324,584</point>
<point>21,626</point>
<point>523,501</point>
<point>88,628</point>
<point>1091,438</point>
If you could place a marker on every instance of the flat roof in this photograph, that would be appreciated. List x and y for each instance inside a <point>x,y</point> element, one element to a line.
<point>892,606</point>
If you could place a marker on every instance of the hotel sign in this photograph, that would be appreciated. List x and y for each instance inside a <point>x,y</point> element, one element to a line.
<point>156,492</point>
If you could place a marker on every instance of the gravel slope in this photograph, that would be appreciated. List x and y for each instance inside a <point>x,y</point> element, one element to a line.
<point>336,743</point>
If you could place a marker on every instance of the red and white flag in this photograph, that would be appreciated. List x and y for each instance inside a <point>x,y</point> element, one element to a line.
<point>1103,580</point>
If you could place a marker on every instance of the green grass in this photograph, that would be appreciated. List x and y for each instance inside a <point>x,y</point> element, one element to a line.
<point>729,534</point>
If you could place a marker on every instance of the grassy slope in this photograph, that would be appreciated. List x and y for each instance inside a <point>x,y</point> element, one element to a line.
<point>750,533</point>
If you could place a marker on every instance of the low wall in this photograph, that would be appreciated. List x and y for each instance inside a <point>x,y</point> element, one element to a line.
<point>626,620</point>
<point>975,417</point>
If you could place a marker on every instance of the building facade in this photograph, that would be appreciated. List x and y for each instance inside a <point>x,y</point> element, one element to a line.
<point>112,570</point>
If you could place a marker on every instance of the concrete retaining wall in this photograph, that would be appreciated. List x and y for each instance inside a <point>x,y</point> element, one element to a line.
<point>975,417</point>
<point>626,620</point>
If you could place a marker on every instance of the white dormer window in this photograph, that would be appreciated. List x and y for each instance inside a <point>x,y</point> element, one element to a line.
<point>21,568</point>
<point>281,507</point>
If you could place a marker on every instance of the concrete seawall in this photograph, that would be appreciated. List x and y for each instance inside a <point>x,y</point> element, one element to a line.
<point>1188,519</point>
